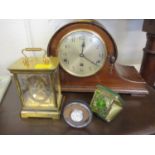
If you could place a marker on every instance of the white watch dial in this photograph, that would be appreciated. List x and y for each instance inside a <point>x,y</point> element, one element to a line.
<point>77,115</point>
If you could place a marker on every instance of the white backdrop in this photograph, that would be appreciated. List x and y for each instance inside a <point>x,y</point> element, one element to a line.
<point>18,34</point>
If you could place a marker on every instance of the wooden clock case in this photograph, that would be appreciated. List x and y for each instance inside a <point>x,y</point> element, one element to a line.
<point>148,62</point>
<point>120,78</point>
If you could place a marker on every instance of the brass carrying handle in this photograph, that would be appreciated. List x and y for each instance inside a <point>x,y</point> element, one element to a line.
<point>26,62</point>
<point>33,50</point>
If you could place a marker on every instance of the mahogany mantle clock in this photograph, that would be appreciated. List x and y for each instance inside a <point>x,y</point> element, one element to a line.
<point>87,54</point>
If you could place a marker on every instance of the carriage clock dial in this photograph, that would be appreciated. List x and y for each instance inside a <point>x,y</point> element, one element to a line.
<point>82,53</point>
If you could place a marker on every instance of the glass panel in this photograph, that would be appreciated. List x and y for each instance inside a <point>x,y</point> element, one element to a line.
<point>37,92</point>
<point>57,87</point>
<point>56,80</point>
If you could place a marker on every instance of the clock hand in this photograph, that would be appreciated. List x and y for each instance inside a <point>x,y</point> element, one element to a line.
<point>83,46</point>
<point>82,55</point>
<point>89,60</point>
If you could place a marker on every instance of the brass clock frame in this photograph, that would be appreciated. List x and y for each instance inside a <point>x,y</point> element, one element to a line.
<point>38,66</point>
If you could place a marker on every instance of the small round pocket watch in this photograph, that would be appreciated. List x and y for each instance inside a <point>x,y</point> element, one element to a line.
<point>77,114</point>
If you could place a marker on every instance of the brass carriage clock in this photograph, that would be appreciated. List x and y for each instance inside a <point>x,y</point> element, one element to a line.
<point>38,85</point>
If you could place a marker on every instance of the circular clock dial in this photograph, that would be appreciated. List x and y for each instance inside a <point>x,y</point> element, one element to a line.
<point>77,114</point>
<point>82,53</point>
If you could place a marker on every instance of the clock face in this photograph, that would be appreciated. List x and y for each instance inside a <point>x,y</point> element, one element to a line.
<point>77,114</point>
<point>82,53</point>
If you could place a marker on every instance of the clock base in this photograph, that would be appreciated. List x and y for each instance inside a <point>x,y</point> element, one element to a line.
<point>122,79</point>
<point>40,114</point>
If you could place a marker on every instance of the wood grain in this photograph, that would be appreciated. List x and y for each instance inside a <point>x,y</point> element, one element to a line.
<point>148,63</point>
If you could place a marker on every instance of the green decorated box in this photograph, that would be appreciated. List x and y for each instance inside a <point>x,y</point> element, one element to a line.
<point>106,103</point>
